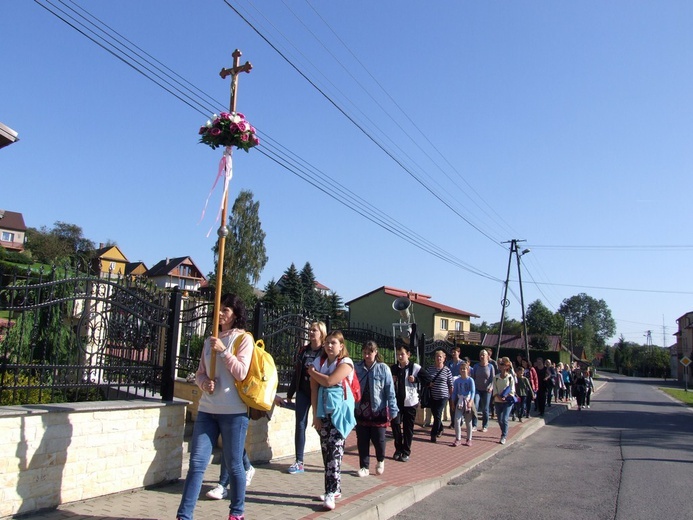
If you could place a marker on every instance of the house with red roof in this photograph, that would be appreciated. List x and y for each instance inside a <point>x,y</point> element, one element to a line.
<point>435,320</point>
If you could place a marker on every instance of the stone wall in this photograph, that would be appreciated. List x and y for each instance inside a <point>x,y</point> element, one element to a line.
<point>266,440</point>
<point>53,454</point>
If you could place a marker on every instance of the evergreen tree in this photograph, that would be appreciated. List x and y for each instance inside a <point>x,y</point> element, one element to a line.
<point>311,298</point>
<point>292,287</point>
<point>245,255</point>
<point>273,298</point>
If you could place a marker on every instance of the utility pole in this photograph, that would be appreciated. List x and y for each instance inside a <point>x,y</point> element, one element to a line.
<point>504,302</point>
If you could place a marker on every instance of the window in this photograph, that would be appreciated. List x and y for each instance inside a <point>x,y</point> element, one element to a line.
<point>7,236</point>
<point>458,326</point>
<point>443,324</point>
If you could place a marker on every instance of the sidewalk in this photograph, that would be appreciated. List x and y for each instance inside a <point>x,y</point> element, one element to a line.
<point>276,494</point>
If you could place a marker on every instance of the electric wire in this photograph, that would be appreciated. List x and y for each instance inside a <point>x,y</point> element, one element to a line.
<point>368,134</point>
<point>370,212</point>
<point>187,96</point>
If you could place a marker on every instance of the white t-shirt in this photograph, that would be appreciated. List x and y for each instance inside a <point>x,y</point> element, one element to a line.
<point>327,368</point>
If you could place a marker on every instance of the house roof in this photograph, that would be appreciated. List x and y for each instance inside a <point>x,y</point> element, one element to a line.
<point>12,220</point>
<point>421,299</point>
<point>110,253</point>
<point>132,266</point>
<point>166,266</point>
<point>517,341</point>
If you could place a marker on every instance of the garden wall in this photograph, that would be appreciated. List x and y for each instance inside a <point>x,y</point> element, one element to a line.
<point>57,453</point>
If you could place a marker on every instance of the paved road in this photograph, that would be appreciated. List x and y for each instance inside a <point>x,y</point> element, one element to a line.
<point>629,457</point>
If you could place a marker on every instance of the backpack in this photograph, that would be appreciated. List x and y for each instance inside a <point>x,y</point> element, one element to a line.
<point>259,387</point>
<point>353,385</point>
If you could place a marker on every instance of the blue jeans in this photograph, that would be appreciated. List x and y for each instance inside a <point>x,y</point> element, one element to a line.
<point>503,413</point>
<point>482,401</point>
<point>302,407</point>
<point>225,476</point>
<point>233,428</point>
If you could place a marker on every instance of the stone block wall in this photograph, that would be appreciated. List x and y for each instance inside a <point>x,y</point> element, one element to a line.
<point>53,454</point>
<point>266,440</point>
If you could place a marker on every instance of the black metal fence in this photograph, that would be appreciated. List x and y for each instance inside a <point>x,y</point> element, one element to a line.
<point>68,336</point>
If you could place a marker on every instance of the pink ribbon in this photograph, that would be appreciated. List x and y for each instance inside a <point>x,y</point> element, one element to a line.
<point>225,169</point>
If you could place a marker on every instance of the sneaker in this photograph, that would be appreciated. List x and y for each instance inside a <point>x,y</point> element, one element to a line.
<point>484,429</point>
<point>502,441</point>
<point>217,493</point>
<point>249,476</point>
<point>520,419</point>
<point>296,467</point>
<point>456,443</point>
<point>234,517</point>
<point>363,472</point>
<point>397,456</point>
<point>336,495</point>
<point>468,442</point>
<point>380,467</point>
<point>329,501</point>
<point>474,428</point>
<point>404,458</point>
<point>513,418</point>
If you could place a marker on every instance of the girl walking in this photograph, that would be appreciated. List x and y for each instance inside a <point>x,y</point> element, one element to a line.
<point>377,406</point>
<point>503,393</point>
<point>333,403</point>
<point>463,392</point>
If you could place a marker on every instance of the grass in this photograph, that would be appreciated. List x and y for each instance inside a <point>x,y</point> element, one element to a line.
<point>680,394</point>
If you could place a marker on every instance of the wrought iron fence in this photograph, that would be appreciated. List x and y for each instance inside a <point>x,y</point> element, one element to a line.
<point>72,336</point>
<point>67,336</point>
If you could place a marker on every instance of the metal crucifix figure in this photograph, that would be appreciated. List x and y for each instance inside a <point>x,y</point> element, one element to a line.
<point>223,228</point>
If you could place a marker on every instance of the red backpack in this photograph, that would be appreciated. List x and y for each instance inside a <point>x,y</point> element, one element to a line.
<point>353,385</point>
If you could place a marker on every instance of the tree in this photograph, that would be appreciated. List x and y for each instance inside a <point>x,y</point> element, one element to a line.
<point>311,298</point>
<point>541,321</point>
<point>245,255</point>
<point>589,321</point>
<point>61,242</point>
<point>273,298</point>
<point>292,287</point>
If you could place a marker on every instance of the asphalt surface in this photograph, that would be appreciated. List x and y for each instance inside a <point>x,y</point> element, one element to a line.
<point>628,457</point>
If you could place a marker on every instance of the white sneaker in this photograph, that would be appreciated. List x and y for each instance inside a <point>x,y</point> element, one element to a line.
<point>335,495</point>
<point>329,501</point>
<point>484,429</point>
<point>249,476</point>
<point>217,493</point>
<point>502,441</point>
<point>363,472</point>
<point>380,468</point>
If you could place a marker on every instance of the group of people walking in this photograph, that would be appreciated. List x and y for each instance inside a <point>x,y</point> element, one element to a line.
<point>368,396</point>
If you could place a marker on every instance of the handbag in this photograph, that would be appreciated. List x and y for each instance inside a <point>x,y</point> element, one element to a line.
<point>425,397</point>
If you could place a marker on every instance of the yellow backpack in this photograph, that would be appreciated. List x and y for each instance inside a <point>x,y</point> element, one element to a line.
<point>259,387</point>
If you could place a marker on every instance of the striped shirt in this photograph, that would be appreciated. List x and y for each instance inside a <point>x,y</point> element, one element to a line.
<point>440,388</point>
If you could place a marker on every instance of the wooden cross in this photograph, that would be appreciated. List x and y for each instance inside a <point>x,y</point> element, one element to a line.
<point>223,229</point>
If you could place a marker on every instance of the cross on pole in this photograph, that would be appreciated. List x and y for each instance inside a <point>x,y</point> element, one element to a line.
<point>223,228</point>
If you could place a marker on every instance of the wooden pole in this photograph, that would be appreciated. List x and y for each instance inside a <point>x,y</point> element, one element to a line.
<point>223,228</point>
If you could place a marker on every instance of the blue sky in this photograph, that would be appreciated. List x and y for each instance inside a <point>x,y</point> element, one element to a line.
<point>565,124</point>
